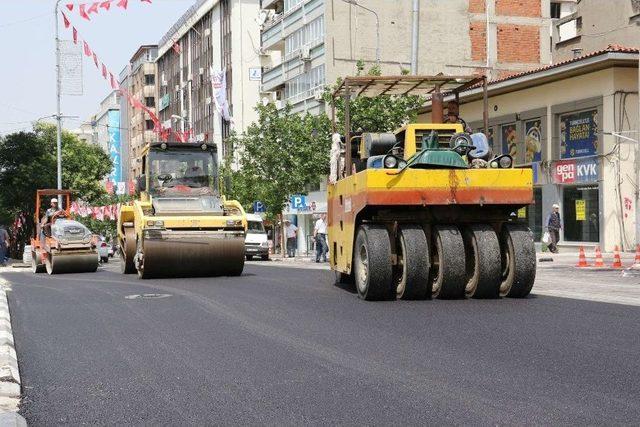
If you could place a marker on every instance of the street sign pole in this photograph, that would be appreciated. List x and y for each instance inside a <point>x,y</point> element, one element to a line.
<point>58,114</point>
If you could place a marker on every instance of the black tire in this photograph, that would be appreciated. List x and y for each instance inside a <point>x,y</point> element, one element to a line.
<point>483,262</point>
<point>249,257</point>
<point>372,264</point>
<point>412,270</point>
<point>36,266</point>
<point>128,251</point>
<point>518,256</point>
<point>48,263</point>
<point>265,257</point>
<point>447,262</point>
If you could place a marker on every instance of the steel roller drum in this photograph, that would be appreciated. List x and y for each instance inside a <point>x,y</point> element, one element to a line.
<point>75,262</point>
<point>193,254</point>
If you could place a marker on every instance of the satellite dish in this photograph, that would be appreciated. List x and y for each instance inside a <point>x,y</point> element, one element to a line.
<point>262,17</point>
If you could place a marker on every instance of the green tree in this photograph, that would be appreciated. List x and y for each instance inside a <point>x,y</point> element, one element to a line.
<point>279,155</point>
<point>28,163</point>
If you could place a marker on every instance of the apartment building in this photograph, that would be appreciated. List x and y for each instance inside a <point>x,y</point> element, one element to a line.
<point>586,26</point>
<point>142,86</point>
<point>218,35</point>
<point>308,44</point>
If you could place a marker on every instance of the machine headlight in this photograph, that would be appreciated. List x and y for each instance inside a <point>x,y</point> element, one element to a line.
<point>390,162</point>
<point>494,164</point>
<point>234,222</point>
<point>86,238</point>
<point>203,146</point>
<point>505,161</point>
<point>163,145</point>
<point>152,223</point>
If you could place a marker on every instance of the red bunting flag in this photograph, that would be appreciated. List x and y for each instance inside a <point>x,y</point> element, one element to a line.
<point>95,59</point>
<point>104,71</point>
<point>105,5</point>
<point>83,13</point>
<point>70,7</point>
<point>87,50</point>
<point>146,1</point>
<point>75,35</point>
<point>65,20</point>
<point>93,8</point>
<point>122,4</point>
<point>114,85</point>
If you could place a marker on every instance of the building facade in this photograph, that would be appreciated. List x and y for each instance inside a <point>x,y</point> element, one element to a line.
<point>213,35</point>
<point>308,44</point>
<point>558,120</point>
<point>591,25</point>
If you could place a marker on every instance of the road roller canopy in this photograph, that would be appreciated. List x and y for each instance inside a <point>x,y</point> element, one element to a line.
<point>372,86</point>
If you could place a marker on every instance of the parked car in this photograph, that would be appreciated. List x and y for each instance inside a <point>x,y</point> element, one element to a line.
<point>103,250</point>
<point>113,249</point>
<point>256,242</point>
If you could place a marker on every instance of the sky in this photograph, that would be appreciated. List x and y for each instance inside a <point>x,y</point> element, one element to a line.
<point>27,70</point>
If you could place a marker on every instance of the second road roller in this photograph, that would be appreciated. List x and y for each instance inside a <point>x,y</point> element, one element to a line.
<point>181,226</point>
<point>428,210</point>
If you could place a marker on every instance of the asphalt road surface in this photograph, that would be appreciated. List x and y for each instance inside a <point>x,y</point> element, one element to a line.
<point>286,346</point>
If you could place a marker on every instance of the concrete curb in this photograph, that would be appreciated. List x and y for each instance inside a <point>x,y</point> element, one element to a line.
<point>10,390</point>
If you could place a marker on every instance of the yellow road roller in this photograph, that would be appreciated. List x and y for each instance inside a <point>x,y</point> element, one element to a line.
<point>59,243</point>
<point>427,211</point>
<point>182,226</point>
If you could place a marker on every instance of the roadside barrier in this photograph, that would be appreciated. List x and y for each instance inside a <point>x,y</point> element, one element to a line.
<point>617,262</point>
<point>599,262</point>
<point>582,259</point>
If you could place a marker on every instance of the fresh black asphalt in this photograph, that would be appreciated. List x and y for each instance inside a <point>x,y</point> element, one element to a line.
<point>286,346</point>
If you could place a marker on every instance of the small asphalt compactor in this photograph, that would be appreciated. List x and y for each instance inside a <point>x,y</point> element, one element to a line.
<point>428,210</point>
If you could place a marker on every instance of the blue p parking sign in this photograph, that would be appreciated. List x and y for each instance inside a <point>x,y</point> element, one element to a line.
<point>259,207</point>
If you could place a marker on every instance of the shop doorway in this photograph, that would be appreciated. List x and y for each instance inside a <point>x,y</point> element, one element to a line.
<point>580,208</point>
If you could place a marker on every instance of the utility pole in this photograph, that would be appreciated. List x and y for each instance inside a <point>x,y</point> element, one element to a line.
<point>415,30</point>
<point>58,113</point>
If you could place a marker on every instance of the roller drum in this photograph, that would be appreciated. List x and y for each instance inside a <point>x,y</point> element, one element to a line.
<point>192,254</point>
<point>61,262</point>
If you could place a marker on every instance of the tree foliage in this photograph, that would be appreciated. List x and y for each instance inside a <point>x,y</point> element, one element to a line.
<point>28,163</point>
<point>279,155</point>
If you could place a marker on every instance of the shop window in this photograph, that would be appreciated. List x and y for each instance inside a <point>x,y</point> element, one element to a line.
<point>580,208</point>
<point>579,134</point>
<point>509,139</point>
<point>533,140</point>
<point>534,214</point>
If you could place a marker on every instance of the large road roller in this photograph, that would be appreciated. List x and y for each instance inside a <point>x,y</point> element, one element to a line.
<point>427,211</point>
<point>181,226</point>
<point>59,243</point>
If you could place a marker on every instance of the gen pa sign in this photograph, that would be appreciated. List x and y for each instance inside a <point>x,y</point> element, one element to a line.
<point>575,171</point>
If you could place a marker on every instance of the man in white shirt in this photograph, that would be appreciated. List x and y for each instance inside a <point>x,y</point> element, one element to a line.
<point>291,232</point>
<point>320,234</point>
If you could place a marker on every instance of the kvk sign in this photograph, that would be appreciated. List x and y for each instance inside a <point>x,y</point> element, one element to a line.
<point>571,171</point>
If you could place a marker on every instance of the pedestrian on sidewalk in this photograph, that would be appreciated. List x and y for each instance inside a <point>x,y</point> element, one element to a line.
<point>292,241</point>
<point>554,225</point>
<point>320,235</point>
<point>4,245</point>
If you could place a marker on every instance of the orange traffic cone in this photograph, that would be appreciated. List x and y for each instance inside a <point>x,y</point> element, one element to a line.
<point>582,259</point>
<point>637,260</point>
<point>617,263</point>
<point>599,261</point>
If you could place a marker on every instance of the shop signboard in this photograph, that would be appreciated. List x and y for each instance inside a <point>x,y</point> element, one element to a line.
<point>164,102</point>
<point>575,171</point>
<point>579,134</point>
<point>113,130</point>
<point>533,141</point>
<point>301,204</point>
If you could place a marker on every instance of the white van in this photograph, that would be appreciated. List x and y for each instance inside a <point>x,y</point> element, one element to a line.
<point>256,242</point>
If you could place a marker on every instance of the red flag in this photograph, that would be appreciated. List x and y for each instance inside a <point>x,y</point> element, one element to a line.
<point>65,20</point>
<point>104,71</point>
<point>83,13</point>
<point>87,50</point>
<point>70,7</point>
<point>95,59</point>
<point>145,1</point>
<point>177,48</point>
<point>93,8</point>
<point>122,4</point>
<point>114,85</point>
<point>105,5</point>
<point>75,35</point>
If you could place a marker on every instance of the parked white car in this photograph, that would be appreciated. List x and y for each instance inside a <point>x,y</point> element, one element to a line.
<point>256,242</point>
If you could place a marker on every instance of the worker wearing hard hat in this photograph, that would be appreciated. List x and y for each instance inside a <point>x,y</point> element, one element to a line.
<point>45,223</point>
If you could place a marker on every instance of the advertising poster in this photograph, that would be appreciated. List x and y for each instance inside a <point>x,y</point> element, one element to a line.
<point>579,134</point>
<point>532,141</point>
<point>580,210</point>
<point>113,131</point>
<point>575,171</point>
<point>509,140</point>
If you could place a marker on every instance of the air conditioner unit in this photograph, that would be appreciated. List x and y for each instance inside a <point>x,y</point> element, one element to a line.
<point>201,71</point>
<point>207,31</point>
<point>318,95</point>
<point>305,53</point>
<point>208,100</point>
<point>279,104</point>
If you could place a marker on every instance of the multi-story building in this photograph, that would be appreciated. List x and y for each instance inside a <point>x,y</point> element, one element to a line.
<point>307,44</point>
<point>591,25</point>
<point>107,127</point>
<point>218,36</point>
<point>141,84</point>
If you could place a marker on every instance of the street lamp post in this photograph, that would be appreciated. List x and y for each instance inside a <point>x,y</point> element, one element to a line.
<point>58,114</point>
<point>355,3</point>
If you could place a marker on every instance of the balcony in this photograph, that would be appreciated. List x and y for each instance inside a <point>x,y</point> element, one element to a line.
<point>270,4</point>
<point>272,79</point>
<point>272,35</point>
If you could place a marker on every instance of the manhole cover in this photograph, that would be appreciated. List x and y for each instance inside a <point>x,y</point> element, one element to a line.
<point>147,296</point>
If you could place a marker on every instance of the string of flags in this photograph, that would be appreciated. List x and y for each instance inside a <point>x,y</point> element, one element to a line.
<point>87,9</point>
<point>100,213</point>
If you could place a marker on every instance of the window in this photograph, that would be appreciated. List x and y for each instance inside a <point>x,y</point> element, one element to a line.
<point>305,83</point>
<point>290,4</point>
<point>555,10</point>
<point>150,101</point>
<point>149,79</point>
<point>580,206</point>
<point>148,124</point>
<point>579,23</point>
<point>310,34</point>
